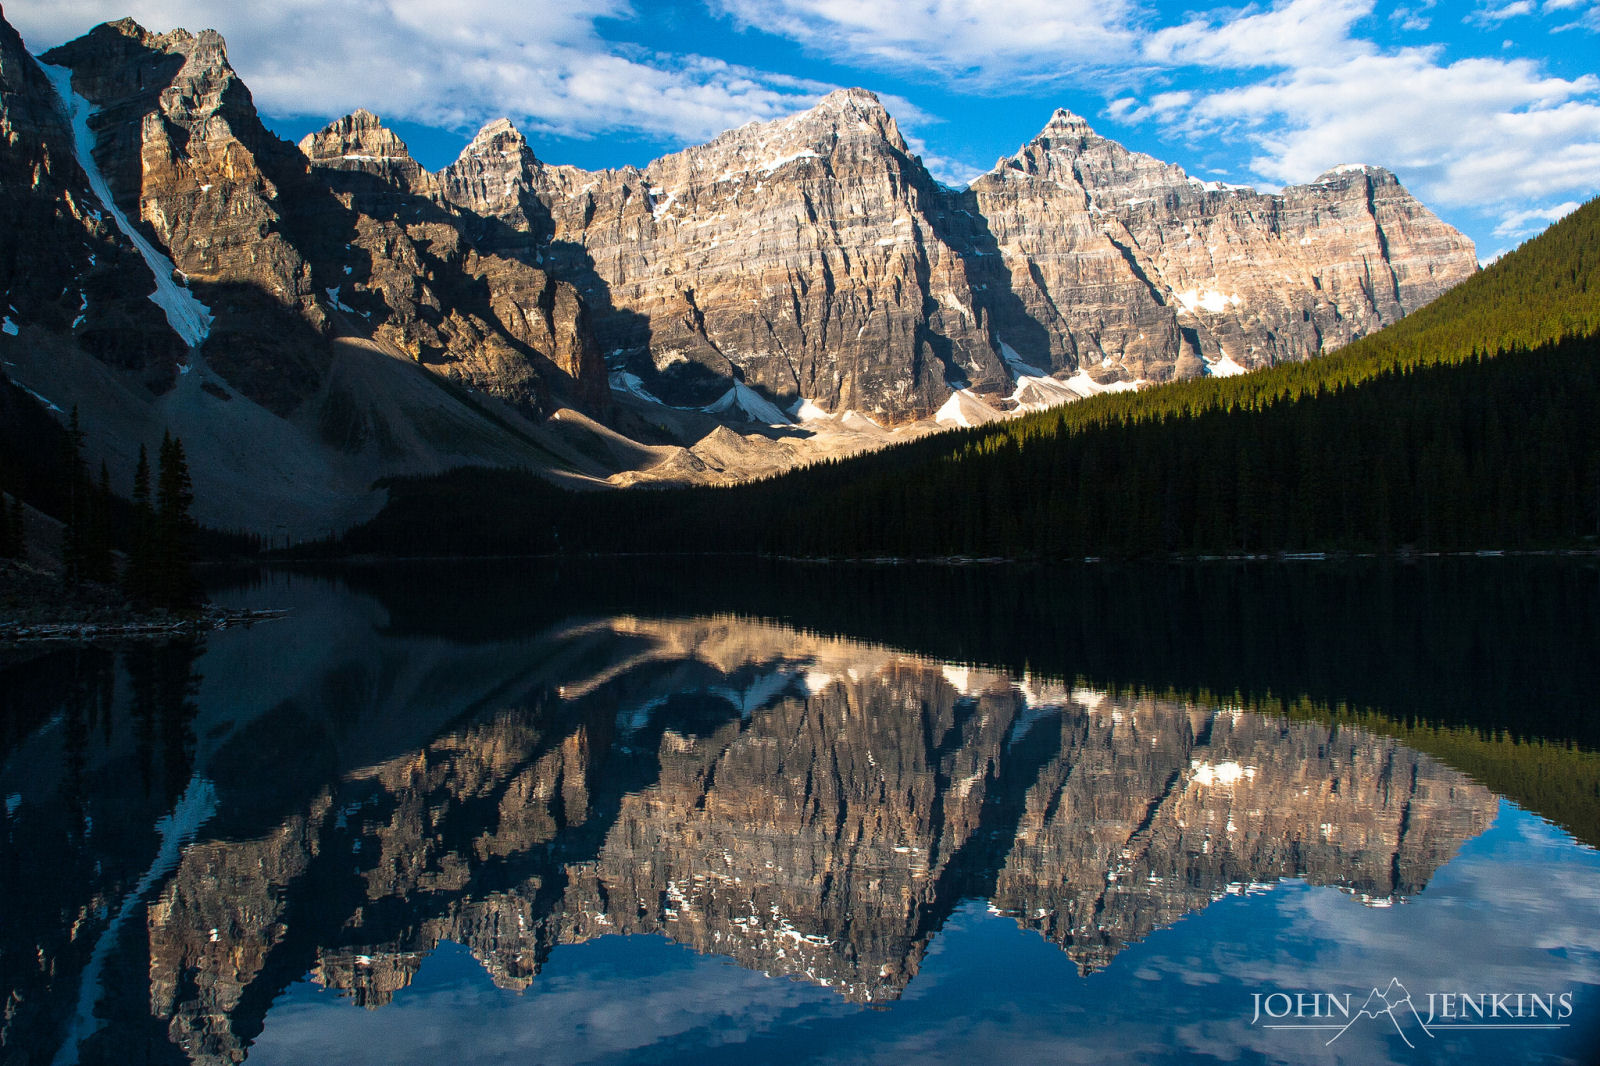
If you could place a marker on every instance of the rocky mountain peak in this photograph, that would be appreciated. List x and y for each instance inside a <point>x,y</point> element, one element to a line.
<point>498,145</point>
<point>492,175</point>
<point>1345,173</point>
<point>857,110</point>
<point>851,97</point>
<point>358,134</point>
<point>361,142</point>
<point>125,42</point>
<point>844,116</point>
<point>1065,123</point>
<point>501,133</point>
<point>124,27</point>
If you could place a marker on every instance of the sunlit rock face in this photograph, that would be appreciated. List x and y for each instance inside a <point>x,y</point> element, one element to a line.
<point>291,249</point>
<point>806,273</point>
<point>805,806</point>
<point>63,263</point>
<point>1128,268</point>
<point>802,257</point>
<point>185,156</point>
<point>814,258</point>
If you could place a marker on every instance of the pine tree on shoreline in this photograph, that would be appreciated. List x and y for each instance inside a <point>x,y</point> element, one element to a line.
<point>139,577</point>
<point>174,528</point>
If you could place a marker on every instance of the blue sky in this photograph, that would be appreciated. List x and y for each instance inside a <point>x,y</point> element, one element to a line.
<point>1488,110</point>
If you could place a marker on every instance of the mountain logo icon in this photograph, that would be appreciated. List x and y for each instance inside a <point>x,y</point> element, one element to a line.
<point>1394,1005</point>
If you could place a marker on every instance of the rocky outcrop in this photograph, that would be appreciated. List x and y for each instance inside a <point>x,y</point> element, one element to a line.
<point>353,243</point>
<point>800,257</point>
<point>814,258</point>
<point>1106,261</point>
<point>423,274</point>
<point>187,160</point>
<point>298,311</point>
<point>64,267</point>
<point>361,143</point>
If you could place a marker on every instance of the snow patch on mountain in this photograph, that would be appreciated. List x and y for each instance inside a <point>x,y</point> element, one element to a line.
<point>188,317</point>
<point>804,410</point>
<point>742,400</point>
<point>1016,364</point>
<point>630,383</point>
<point>965,408</point>
<point>1210,300</point>
<point>1225,368</point>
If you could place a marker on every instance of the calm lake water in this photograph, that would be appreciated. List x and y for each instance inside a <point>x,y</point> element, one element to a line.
<point>737,812</point>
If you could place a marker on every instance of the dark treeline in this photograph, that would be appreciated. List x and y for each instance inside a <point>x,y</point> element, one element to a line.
<point>156,530</point>
<point>152,528</point>
<point>1467,425</point>
<point>1497,452</point>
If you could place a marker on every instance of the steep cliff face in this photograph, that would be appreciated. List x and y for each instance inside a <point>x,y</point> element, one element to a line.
<point>178,268</point>
<point>1112,262</point>
<point>188,161</point>
<point>412,269</point>
<point>801,257</point>
<point>64,267</point>
<point>814,258</point>
<point>356,243</point>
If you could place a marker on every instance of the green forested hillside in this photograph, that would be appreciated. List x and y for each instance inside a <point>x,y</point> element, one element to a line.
<point>1474,423</point>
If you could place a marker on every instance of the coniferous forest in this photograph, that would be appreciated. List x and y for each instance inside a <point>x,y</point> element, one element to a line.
<point>1472,424</point>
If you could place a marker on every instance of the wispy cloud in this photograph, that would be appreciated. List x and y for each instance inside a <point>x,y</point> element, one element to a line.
<point>456,64</point>
<point>1520,224</point>
<point>1472,132</point>
<point>1414,18</point>
<point>1498,13</point>
<point>989,46</point>
<point>1298,34</point>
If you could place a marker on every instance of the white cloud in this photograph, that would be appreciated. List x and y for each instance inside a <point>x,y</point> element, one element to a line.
<point>1519,224</point>
<point>1292,34</point>
<point>1473,132</point>
<point>455,63</point>
<point>1489,16</point>
<point>988,46</point>
<point>1413,19</point>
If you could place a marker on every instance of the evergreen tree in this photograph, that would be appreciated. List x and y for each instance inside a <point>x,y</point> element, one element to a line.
<point>97,563</point>
<point>174,527</point>
<point>139,577</point>
<point>11,529</point>
<point>74,518</point>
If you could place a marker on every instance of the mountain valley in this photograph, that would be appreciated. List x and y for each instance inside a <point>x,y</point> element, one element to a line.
<point>330,314</point>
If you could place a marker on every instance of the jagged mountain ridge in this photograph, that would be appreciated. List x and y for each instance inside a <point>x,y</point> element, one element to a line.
<point>291,400</point>
<point>185,153</point>
<point>805,270</point>
<point>815,258</point>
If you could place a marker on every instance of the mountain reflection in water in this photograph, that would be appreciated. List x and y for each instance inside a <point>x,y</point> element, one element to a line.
<point>805,805</point>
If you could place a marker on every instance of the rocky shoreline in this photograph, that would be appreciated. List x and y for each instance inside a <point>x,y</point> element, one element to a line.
<point>37,605</point>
